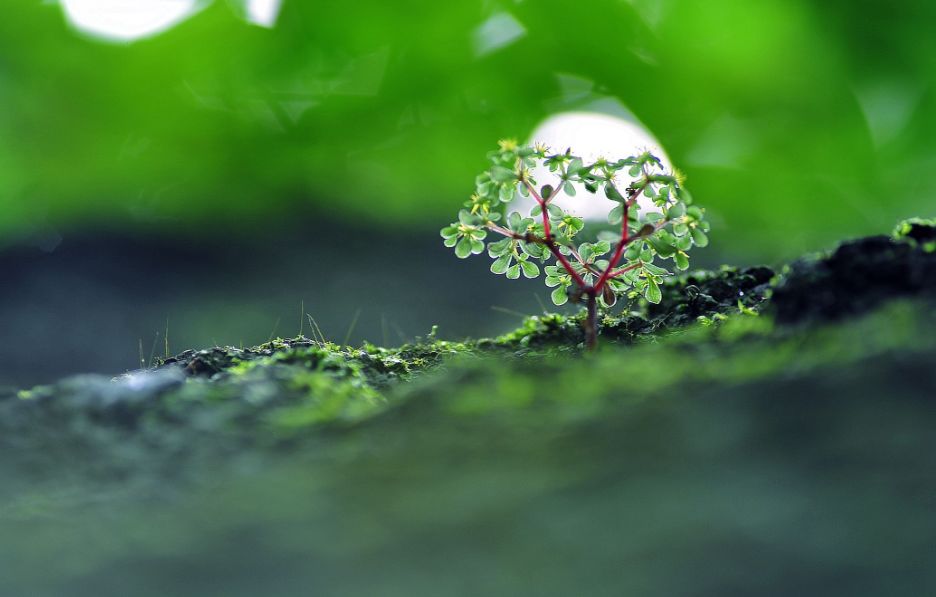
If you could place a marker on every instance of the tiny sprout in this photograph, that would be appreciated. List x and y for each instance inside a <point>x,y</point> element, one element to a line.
<point>598,273</point>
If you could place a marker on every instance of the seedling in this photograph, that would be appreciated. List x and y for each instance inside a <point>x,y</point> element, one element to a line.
<point>665,225</point>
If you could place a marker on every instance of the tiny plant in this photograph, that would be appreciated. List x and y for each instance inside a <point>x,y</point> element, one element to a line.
<point>620,263</point>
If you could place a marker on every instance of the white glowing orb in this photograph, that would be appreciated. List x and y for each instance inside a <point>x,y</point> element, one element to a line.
<point>127,20</point>
<point>263,12</point>
<point>590,135</point>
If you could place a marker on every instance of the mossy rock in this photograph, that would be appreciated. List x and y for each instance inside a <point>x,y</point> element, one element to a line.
<point>753,434</point>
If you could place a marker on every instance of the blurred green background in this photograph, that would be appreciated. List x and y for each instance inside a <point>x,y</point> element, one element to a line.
<point>219,173</point>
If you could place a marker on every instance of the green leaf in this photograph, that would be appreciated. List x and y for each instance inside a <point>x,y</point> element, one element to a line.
<point>477,246</point>
<point>682,261</point>
<point>676,211</point>
<point>533,250</point>
<point>501,174</point>
<point>655,269</point>
<point>450,241</point>
<point>662,248</point>
<point>467,218</point>
<point>569,188</point>
<point>634,171</point>
<point>478,234</point>
<point>683,243</point>
<point>530,270</point>
<point>463,248</point>
<point>699,238</point>
<point>501,247</point>
<point>559,296</point>
<point>616,213</point>
<point>513,220</point>
<point>652,292</point>
<point>546,191</point>
<point>449,231</point>
<point>612,193</point>
<point>575,166</point>
<point>501,264</point>
<point>506,194</point>
<point>513,272</point>
<point>553,281</point>
<point>667,237</point>
<point>585,251</point>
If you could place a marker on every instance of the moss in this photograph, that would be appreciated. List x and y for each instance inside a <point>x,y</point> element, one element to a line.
<point>916,231</point>
<point>288,388</point>
<point>696,435</point>
<point>854,278</point>
<point>278,388</point>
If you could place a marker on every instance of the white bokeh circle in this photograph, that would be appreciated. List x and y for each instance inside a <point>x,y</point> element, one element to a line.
<point>590,135</point>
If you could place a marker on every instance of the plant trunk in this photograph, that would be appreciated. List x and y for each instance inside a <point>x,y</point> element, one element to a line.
<point>591,322</point>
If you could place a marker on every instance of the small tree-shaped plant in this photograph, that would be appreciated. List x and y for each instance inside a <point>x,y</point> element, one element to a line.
<point>665,226</point>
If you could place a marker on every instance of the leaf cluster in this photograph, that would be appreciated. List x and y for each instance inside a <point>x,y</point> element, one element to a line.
<point>627,262</point>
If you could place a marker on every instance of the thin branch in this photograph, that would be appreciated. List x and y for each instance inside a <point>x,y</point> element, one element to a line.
<point>625,240</point>
<point>533,192</point>
<point>624,270</point>
<point>622,246</point>
<point>501,230</point>
<point>578,258</point>
<point>554,249</point>
<point>548,240</point>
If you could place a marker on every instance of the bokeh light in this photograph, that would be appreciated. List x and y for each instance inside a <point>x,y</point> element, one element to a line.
<point>591,135</point>
<point>263,12</point>
<point>127,20</point>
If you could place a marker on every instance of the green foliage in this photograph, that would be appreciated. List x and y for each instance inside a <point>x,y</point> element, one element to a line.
<point>343,103</point>
<point>618,264</point>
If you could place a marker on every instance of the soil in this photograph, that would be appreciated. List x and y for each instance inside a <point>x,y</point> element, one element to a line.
<point>758,432</point>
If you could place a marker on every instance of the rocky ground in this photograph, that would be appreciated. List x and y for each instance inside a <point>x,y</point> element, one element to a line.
<point>759,432</point>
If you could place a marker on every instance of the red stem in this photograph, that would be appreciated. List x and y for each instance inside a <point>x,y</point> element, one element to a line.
<point>624,270</point>
<point>501,230</point>
<point>565,263</point>
<point>547,234</point>
<point>625,240</point>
